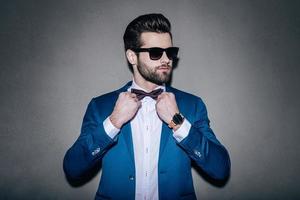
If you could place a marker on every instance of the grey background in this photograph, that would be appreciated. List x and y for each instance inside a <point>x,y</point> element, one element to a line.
<point>241,57</point>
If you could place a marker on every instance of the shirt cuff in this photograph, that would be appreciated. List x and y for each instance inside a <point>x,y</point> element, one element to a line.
<point>183,131</point>
<point>110,129</point>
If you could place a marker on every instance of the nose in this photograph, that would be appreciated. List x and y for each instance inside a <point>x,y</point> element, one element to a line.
<point>164,59</point>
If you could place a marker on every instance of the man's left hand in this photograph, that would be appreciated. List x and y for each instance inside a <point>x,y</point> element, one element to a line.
<point>166,106</point>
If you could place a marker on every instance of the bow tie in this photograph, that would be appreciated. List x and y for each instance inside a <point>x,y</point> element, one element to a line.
<point>140,94</point>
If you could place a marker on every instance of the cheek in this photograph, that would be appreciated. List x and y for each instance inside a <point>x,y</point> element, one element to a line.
<point>144,57</point>
<point>147,62</point>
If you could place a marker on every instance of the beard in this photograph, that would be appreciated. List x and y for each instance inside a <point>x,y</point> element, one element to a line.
<point>153,75</point>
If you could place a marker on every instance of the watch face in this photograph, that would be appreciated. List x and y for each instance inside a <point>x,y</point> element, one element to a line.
<point>177,119</point>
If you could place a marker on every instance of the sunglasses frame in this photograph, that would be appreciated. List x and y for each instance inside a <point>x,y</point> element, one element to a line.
<point>160,51</point>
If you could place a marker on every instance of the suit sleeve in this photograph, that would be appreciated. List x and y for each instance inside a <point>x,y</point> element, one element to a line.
<point>203,147</point>
<point>90,146</point>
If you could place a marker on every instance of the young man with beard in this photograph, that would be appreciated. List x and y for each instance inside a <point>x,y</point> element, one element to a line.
<point>146,134</point>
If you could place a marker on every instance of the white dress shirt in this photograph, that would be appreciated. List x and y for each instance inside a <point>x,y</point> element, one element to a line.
<point>146,129</point>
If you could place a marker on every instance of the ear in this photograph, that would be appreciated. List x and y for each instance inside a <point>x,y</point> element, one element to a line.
<point>131,57</point>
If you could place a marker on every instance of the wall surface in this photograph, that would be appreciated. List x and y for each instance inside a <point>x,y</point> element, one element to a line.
<point>241,57</point>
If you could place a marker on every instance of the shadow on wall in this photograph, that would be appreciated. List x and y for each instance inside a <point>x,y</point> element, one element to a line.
<point>86,178</point>
<point>207,178</point>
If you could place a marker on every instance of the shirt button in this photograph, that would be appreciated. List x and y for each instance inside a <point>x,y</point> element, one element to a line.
<point>131,177</point>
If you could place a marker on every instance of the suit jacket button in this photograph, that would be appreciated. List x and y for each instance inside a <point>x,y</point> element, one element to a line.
<point>96,151</point>
<point>198,153</point>
<point>131,177</point>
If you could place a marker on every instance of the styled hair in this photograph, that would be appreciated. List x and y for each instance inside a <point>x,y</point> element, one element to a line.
<point>145,23</point>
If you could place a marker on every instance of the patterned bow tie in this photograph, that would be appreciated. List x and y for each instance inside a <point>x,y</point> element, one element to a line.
<point>140,94</point>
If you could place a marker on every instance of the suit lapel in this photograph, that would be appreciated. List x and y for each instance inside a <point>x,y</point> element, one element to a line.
<point>126,129</point>
<point>166,132</point>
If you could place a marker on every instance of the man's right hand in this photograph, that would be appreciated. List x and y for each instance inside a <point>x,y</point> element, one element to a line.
<point>125,108</point>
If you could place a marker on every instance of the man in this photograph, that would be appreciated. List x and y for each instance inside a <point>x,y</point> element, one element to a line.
<point>147,134</point>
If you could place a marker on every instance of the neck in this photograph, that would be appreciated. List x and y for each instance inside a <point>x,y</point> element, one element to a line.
<point>146,85</point>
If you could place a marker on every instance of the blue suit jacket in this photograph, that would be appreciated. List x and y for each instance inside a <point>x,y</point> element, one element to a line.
<point>117,155</point>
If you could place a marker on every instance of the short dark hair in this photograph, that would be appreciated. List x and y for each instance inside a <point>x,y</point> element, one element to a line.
<point>145,23</point>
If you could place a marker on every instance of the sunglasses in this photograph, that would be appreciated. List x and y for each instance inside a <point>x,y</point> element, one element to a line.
<point>156,53</point>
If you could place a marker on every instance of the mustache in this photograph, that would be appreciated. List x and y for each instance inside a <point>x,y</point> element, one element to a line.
<point>164,66</point>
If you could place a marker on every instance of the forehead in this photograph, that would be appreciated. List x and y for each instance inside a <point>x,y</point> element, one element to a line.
<point>153,39</point>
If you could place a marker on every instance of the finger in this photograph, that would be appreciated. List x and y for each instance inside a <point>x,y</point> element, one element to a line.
<point>136,99</point>
<point>121,94</point>
<point>124,94</point>
<point>165,94</point>
<point>158,98</point>
<point>171,95</point>
<point>132,94</point>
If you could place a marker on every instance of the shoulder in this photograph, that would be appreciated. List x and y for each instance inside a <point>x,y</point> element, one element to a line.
<point>101,106</point>
<point>107,97</point>
<point>190,105</point>
<point>110,97</point>
<point>185,96</point>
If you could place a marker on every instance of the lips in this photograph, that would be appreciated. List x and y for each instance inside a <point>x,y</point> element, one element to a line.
<point>164,68</point>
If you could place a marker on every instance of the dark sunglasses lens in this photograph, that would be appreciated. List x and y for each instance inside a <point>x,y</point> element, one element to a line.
<point>172,52</point>
<point>155,53</point>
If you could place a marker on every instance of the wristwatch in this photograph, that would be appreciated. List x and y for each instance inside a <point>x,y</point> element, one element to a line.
<point>176,120</point>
